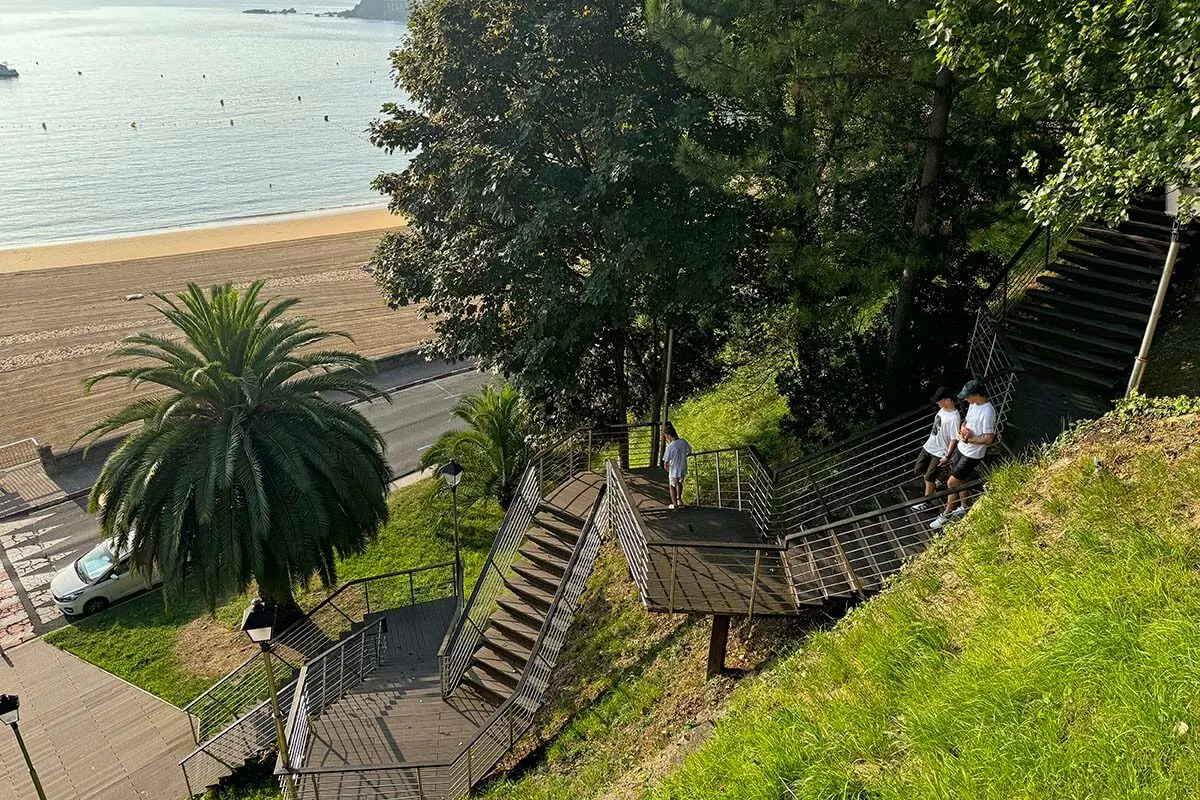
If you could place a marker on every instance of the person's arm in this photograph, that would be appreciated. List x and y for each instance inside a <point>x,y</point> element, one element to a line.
<point>987,431</point>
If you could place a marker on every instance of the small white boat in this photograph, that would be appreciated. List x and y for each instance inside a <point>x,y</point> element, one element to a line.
<point>8,72</point>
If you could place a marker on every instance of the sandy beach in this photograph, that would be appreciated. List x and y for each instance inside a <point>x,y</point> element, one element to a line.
<point>268,230</point>
<point>63,308</point>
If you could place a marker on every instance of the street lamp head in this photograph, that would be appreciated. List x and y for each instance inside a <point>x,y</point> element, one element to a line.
<point>452,473</point>
<point>9,709</point>
<point>259,621</point>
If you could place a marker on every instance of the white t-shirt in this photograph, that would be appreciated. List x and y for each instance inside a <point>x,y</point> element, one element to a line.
<point>945,431</point>
<point>676,456</point>
<point>981,419</point>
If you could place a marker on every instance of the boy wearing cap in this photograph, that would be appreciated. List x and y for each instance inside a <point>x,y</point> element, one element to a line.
<point>941,444</point>
<point>976,434</point>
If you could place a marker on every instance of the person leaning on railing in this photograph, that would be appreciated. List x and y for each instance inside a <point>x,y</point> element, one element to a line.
<point>974,437</point>
<point>675,458</point>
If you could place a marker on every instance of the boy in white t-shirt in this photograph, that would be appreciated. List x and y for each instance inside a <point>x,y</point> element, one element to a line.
<point>935,454</point>
<point>675,458</point>
<point>974,438</point>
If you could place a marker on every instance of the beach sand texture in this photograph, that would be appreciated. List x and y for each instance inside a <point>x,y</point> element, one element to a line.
<point>57,326</point>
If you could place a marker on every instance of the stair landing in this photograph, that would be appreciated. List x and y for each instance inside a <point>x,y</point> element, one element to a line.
<point>398,715</point>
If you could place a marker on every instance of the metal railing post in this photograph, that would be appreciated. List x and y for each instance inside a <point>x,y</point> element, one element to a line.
<point>589,449</point>
<point>754,582</point>
<point>420,786</point>
<point>674,559</point>
<point>737,471</point>
<point>412,587</point>
<point>367,594</point>
<point>719,480</point>
<point>315,787</point>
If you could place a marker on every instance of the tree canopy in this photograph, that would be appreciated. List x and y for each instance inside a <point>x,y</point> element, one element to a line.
<point>1118,81</point>
<point>241,469</point>
<point>550,234</point>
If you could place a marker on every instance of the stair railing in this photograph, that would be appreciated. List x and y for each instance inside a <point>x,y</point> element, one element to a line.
<point>449,780</point>
<point>232,719</point>
<point>581,451</point>
<point>328,678</point>
<point>1032,260</point>
<point>735,478</point>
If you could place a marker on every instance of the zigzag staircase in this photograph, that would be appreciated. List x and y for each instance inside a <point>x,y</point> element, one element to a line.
<point>387,714</point>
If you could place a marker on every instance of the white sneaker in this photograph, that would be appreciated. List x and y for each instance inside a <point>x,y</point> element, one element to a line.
<point>958,512</point>
<point>671,506</point>
<point>940,522</point>
<point>921,507</point>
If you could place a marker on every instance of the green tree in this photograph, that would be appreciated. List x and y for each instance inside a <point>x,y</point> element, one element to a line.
<point>550,234</point>
<point>495,448</point>
<point>869,161</point>
<point>1118,81</point>
<point>241,469</point>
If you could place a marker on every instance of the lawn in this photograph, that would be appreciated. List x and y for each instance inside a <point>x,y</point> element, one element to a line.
<point>1048,646</point>
<point>179,651</point>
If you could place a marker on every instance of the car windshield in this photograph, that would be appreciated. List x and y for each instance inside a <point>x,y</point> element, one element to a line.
<point>97,562</point>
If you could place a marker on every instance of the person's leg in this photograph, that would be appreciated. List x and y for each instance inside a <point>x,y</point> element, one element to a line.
<point>951,499</point>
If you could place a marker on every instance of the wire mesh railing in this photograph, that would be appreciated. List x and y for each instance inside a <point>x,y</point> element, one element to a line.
<point>454,779</point>
<point>581,451</point>
<point>231,720</point>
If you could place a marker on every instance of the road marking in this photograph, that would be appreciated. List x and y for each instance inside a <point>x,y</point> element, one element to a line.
<point>423,449</point>
<point>447,391</point>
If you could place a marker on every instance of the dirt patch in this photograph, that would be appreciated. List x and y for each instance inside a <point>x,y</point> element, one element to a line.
<point>208,649</point>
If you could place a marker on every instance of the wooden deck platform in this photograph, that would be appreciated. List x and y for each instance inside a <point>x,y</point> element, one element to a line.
<point>703,560</point>
<point>398,715</point>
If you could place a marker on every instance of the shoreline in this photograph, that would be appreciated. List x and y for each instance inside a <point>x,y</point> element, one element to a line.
<point>268,229</point>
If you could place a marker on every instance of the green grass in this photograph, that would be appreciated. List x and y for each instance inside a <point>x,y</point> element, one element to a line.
<point>1049,646</point>
<point>745,408</point>
<point>137,640</point>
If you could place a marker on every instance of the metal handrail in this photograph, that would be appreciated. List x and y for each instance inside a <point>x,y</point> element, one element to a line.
<point>791,538</point>
<point>573,579</point>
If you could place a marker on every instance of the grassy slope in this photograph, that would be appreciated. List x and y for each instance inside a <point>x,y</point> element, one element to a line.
<point>138,640</point>
<point>1048,647</point>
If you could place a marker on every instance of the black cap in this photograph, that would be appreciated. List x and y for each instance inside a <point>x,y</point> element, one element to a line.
<point>972,387</point>
<point>942,393</point>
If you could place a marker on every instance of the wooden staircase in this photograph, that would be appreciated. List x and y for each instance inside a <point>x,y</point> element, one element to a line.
<point>1081,324</point>
<point>512,629</point>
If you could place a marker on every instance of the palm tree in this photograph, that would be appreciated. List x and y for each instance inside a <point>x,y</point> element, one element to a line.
<point>242,469</point>
<point>495,448</point>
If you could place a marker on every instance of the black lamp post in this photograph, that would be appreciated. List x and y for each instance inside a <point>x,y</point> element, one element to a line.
<point>258,622</point>
<point>10,713</point>
<point>452,473</point>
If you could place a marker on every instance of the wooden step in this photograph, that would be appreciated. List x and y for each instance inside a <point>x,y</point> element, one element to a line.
<point>1050,345</point>
<point>549,544</point>
<point>1141,297</point>
<point>522,612</point>
<point>830,570</point>
<point>483,689</point>
<point>553,565</point>
<point>561,514</point>
<point>513,628</point>
<point>1108,265</point>
<point>530,594</point>
<point>1100,327</point>
<point>1151,230</point>
<point>1037,327</point>
<point>1115,252</point>
<point>496,670</point>
<point>1149,243</point>
<point>1106,278</point>
<point>536,577</point>
<point>515,654</point>
<point>566,534</point>
<point>1098,310</point>
<point>1057,368</point>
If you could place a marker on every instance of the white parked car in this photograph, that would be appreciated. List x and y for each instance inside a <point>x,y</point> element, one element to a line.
<point>96,580</point>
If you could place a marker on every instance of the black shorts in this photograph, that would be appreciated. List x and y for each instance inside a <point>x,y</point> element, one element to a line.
<point>963,467</point>
<point>929,466</point>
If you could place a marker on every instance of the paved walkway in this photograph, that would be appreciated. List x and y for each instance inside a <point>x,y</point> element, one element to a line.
<point>91,736</point>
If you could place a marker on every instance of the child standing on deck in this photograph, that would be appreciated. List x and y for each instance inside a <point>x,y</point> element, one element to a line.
<point>675,458</point>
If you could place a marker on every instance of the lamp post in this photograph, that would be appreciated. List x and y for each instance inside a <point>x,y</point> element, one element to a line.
<point>258,622</point>
<point>10,713</point>
<point>452,473</point>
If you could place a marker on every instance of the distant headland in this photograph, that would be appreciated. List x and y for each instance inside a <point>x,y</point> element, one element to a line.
<point>390,10</point>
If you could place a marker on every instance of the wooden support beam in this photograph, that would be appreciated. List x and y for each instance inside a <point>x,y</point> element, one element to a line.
<point>717,645</point>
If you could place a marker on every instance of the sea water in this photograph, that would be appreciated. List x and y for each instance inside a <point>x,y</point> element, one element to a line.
<point>173,113</point>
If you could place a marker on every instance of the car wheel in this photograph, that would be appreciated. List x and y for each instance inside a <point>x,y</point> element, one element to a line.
<point>95,605</point>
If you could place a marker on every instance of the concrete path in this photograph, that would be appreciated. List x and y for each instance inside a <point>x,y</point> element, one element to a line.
<point>91,736</point>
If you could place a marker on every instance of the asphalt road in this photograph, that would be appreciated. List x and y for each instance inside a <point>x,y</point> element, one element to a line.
<point>36,545</point>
